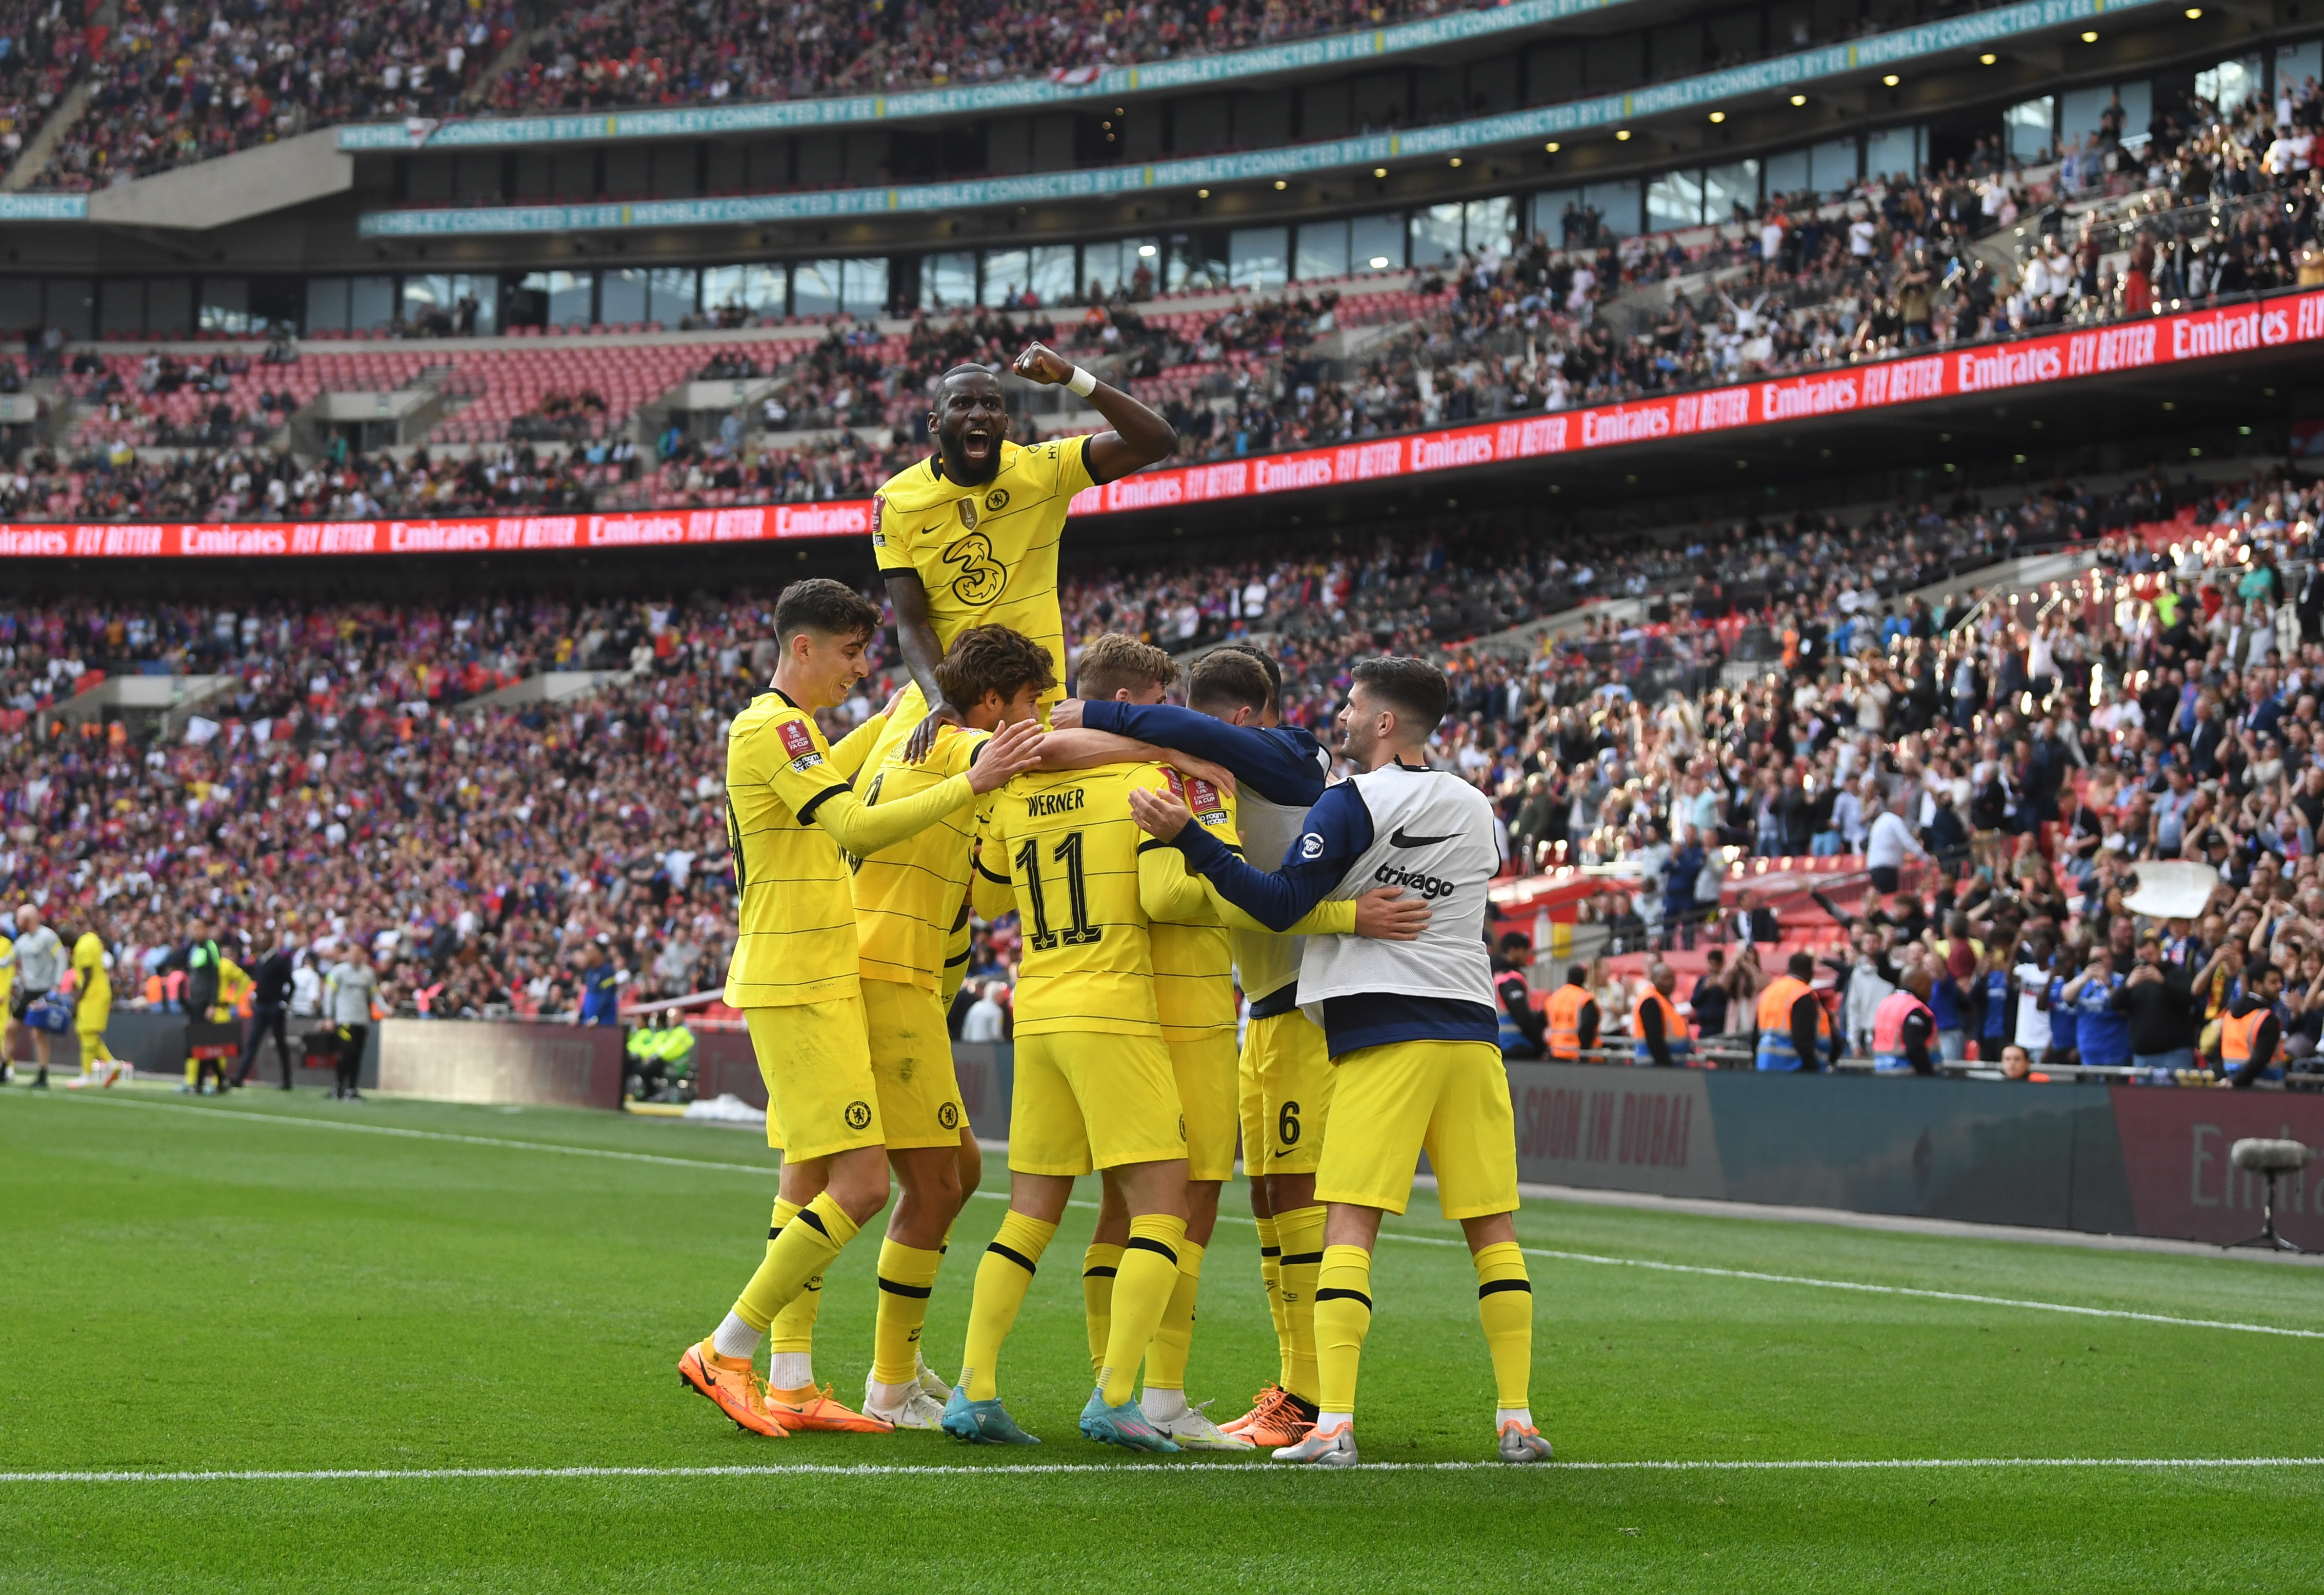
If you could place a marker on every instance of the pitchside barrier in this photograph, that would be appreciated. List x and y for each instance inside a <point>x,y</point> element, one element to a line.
<point>2106,1158</point>
<point>155,1043</point>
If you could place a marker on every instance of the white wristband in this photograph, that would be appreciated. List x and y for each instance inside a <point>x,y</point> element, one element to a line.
<point>1082,382</point>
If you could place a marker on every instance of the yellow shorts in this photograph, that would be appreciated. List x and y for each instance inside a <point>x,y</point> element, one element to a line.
<point>1448,1098</point>
<point>816,1062</point>
<point>1205,1070</point>
<point>911,1064</point>
<point>1286,1083</point>
<point>1089,1102</point>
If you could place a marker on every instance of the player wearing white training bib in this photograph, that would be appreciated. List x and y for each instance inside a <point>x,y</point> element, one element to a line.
<point>1411,1029</point>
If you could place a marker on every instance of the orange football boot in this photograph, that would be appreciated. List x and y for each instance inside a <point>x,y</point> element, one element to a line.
<point>730,1383</point>
<point>1284,1421</point>
<point>1258,1403</point>
<point>815,1409</point>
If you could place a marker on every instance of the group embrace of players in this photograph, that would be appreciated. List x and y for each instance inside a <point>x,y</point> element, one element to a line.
<point>1153,853</point>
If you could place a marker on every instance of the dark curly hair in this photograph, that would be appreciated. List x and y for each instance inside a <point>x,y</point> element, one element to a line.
<point>994,658</point>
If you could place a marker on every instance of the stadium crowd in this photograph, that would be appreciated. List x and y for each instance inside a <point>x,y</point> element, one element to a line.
<point>171,88</point>
<point>1788,696</point>
<point>2225,207</point>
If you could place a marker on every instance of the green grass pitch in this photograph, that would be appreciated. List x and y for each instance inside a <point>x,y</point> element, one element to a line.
<point>190,1288</point>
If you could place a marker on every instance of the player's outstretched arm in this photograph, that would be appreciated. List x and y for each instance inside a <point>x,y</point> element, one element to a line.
<point>1336,832</point>
<point>916,635</point>
<point>1139,437</point>
<point>864,831</point>
<point>1266,759</point>
<point>1087,749</point>
<point>1383,914</point>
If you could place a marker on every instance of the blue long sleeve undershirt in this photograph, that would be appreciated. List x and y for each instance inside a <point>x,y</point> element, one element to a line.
<point>1277,762</point>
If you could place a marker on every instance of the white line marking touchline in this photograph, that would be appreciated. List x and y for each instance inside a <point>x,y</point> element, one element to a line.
<point>1706,1271</point>
<point>1125,1470</point>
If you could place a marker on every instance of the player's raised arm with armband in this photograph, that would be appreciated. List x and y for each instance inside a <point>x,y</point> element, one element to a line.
<point>1139,437</point>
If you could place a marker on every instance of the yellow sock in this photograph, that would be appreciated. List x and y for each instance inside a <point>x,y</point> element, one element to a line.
<point>1343,1316</point>
<point>1270,1254</point>
<point>1149,1273</point>
<point>1002,1277</point>
<point>906,1276</point>
<point>792,1333</point>
<point>1302,1234</point>
<point>1174,1337</point>
<point>1504,1307</point>
<point>801,1253</point>
<point>1099,1264</point>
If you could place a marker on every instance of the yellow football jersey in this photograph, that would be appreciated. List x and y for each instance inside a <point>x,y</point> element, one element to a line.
<point>988,555</point>
<point>95,985</point>
<point>789,813</point>
<point>1194,961</point>
<point>910,896</point>
<point>1062,848</point>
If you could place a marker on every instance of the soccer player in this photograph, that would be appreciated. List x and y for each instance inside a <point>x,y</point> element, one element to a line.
<point>1283,1074</point>
<point>795,969</point>
<point>1194,998</point>
<point>1410,1028</point>
<point>969,536</point>
<point>93,997</point>
<point>908,897</point>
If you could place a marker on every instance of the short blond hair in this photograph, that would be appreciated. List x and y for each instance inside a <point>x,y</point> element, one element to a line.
<point>1113,661</point>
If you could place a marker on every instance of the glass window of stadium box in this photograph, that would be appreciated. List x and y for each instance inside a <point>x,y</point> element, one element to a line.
<point>1567,216</point>
<point>1195,261</point>
<point>371,303</point>
<point>20,304</point>
<point>1376,243</point>
<point>1322,250</point>
<point>1436,237</point>
<point>432,304</point>
<point>1112,267</point>
<point>2295,64</point>
<point>1008,272</point>
<point>1894,152</point>
<point>168,307</point>
<point>326,305</point>
<point>2081,111</point>
<point>1674,201</point>
<point>1258,257</point>
<point>1835,165</point>
<point>636,295</point>
<point>1726,187</point>
<point>1487,222</point>
<point>948,282</point>
<point>226,305</point>
<point>759,290</point>
<point>863,284</point>
<point>565,299</point>
<point>71,306</point>
<point>815,288</point>
<point>2227,84</point>
<point>2033,127</point>
<point>1050,273</point>
<point>121,305</point>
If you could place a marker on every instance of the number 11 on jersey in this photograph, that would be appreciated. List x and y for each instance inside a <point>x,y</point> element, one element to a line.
<point>1079,932</point>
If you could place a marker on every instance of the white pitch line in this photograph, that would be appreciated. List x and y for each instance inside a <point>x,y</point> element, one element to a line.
<point>1902,1290</point>
<point>1704,1269</point>
<point>1182,1471</point>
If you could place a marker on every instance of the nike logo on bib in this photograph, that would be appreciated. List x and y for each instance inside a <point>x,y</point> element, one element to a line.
<point>1398,839</point>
